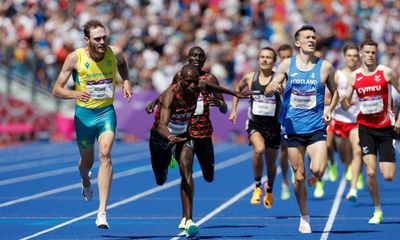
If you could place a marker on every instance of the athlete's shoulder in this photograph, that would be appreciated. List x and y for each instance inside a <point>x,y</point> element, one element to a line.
<point>72,58</point>
<point>115,49</point>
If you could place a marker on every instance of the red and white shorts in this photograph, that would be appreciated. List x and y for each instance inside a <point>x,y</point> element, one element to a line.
<point>342,129</point>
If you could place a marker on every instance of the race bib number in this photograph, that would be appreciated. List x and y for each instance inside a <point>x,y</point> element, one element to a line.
<point>177,128</point>
<point>100,89</point>
<point>264,106</point>
<point>303,100</point>
<point>371,105</point>
<point>200,106</point>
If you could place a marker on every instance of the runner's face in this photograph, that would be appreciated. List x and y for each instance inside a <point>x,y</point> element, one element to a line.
<point>368,55</point>
<point>197,58</point>
<point>97,41</point>
<point>266,59</point>
<point>285,54</point>
<point>190,82</point>
<point>307,41</point>
<point>351,58</point>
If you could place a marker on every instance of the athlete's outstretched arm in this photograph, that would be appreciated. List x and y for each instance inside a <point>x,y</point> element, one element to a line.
<point>240,86</point>
<point>150,107</point>
<point>216,88</point>
<point>218,99</point>
<point>59,90</point>
<point>123,72</point>
<point>279,78</point>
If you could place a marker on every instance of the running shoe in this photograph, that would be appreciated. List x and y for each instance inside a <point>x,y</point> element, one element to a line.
<point>304,226</point>
<point>333,173</point>
<point>360,182</point>
<point>352,195</point>
<point>348,173</point>
<point>377,218</point>
<point>319,189</point>
<point>173,163</point>
<point>256,198</point>
<point>268,198</point>
<point>191,228</point>
<point>101,221</point>
<point>312,181</point>
<point>182,224</point>
<point>87,192</point>
<point>285,194</point>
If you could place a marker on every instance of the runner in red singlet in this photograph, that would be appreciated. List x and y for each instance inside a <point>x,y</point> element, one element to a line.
<point>372,83</point>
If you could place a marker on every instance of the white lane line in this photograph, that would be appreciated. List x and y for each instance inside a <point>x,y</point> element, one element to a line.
<point>197,174</point>
<point>74,186</point>
<point>78,185</point>
<point>334,209</point>
<point>56,160</point>
<point>130,158</point>
<point>117,160</point>
<point>226,204</point>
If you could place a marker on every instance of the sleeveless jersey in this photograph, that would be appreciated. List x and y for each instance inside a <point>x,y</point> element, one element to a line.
<point>303,100</point>
<point>99,78</point>
<point>262,109</point>
<point>200,123</point>
<point>373,91</point>
<point>339,114</point>
<point>180,114</point>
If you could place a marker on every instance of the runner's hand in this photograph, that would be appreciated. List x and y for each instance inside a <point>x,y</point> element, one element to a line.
<point>83,96</point>
<point>150,107</point>
<point>172,139</point>
<point>127,90</point>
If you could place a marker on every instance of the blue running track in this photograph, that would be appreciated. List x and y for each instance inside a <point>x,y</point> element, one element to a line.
<point>40,199</point>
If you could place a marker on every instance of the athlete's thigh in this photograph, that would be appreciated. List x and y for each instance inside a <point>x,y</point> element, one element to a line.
<point>296,158</point>
<point>318,155</point>
<point>257,140</point>
<point>354,139</point>
<point>204,151</point>
<point>106,140</point>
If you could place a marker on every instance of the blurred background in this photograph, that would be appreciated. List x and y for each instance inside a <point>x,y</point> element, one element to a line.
<point>36,36</point>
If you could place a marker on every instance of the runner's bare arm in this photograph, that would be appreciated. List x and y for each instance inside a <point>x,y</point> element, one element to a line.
<point>241,85</point>
<point>59,91</point>
<point>279,77</point>
<point>123,72</point>
<point>347,98</point>
<point>332,87</point>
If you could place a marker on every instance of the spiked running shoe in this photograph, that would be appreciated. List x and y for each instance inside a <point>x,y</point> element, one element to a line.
<point>304,226</point>
<point>182,224</point>
<point>319,189</point>
<point>268,198</point>
<point>312,181</point>
<point>377,218</point>
<point>348,173</point>
<point>285,194</point>
<point>360,182</point>
<point>352,195</point>
<point>256,198</point>
<point>87,192</point>
<point>101,221</point>
<point>333,173</point>
<point>191,228</point>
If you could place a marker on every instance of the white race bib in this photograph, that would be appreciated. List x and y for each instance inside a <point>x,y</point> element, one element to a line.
<point>177,128</point>
<point>265,106</point>
<point>100,89</point>
<point>200,106</point>
<point>371,105</point>
<point>303,100</point>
